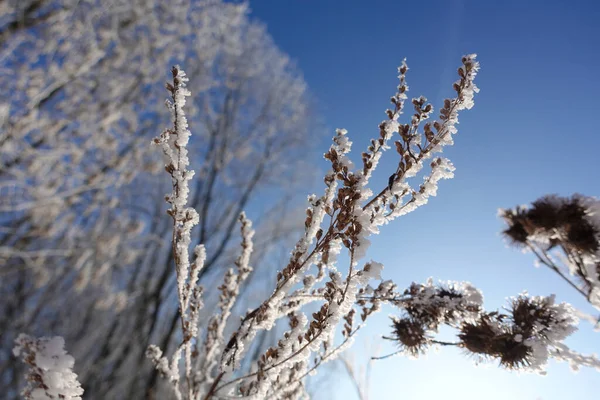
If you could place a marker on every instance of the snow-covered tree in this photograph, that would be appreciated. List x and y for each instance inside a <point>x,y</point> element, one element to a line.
<point>82,235</point>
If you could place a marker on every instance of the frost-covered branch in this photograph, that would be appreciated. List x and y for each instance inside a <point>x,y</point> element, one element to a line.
<point>50,374</point>
<point>343,217</point>
<point>208,359</point>
<point>174,145</point>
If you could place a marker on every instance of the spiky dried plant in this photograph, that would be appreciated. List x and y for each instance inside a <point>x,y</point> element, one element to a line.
<point>564,235</point>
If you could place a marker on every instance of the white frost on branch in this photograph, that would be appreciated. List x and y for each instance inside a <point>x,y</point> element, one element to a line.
<point>563,353</point>
<point>174,145</point>
<point>50,374</point>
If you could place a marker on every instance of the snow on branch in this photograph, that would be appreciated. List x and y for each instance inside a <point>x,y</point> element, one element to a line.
<point>50,374</point>
<point>200,361</point>
<point>174,143</point>
<point>230,289</point>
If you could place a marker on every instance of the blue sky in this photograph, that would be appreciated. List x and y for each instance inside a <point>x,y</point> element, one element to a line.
<point>533,131</point>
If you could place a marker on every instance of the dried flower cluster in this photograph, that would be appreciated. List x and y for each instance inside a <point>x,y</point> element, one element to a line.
<point>426,307</point>
<point>533,328</point>
<point>564,234</point>
<point>523,338</point>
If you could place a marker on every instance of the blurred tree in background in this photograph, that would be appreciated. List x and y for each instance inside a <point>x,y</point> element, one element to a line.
<point>84,243</point>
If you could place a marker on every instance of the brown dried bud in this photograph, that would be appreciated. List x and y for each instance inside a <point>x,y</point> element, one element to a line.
<point>411,335</point>
<point>319,234</point>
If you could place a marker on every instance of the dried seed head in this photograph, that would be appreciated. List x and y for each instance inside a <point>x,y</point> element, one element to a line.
<point>516,232</point>
<point>513,354</point>
<point>490,337</point>
<point>410,335</point>
<point>545,212</point>
<point>556,220</point>
<point>478,337</point>
<point>530,314</point>
<point>583,237</point>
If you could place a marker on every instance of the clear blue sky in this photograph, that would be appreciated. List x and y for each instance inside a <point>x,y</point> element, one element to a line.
<point>533,131</point>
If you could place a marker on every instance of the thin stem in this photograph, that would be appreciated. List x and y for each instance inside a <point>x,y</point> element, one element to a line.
<point>213,388</point>
<point>544,259</point>
<point>386,356</point>
<point>353,378</point>
<point>436,140</point>
<point>325,357</point>
<point>446,343</point>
